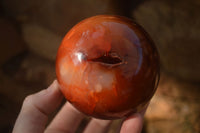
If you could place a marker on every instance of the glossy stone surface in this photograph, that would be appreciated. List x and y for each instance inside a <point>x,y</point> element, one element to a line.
<point>108,67</point>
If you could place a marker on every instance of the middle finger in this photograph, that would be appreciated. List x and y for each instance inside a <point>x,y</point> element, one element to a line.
<point>67,120</point>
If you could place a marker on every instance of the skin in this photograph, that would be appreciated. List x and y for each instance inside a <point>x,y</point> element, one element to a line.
<point>36,109</point>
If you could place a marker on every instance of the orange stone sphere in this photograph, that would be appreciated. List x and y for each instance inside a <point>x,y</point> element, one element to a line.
<point>108,67</point>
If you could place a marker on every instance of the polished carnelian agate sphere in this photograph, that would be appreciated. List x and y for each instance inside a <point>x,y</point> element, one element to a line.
<point>107,67</point>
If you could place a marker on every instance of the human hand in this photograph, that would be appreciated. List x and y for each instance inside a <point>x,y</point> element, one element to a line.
<point>36,108</point>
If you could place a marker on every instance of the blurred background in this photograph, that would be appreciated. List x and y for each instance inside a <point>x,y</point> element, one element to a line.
<point>31,32</point>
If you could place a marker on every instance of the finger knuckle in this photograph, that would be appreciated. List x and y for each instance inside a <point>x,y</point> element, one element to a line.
<point>28,100</point>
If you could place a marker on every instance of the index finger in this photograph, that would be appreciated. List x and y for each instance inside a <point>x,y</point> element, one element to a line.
<point>36,108</point>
